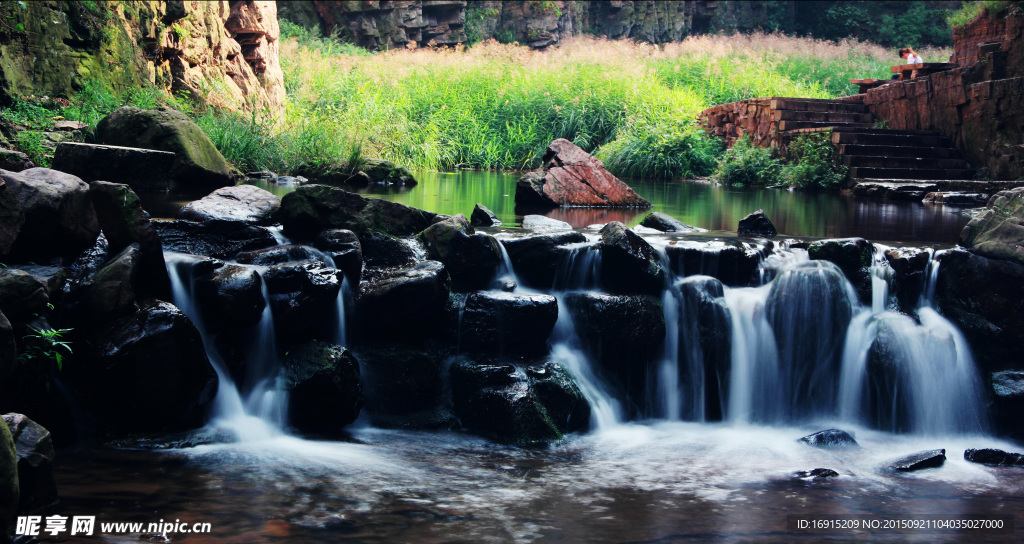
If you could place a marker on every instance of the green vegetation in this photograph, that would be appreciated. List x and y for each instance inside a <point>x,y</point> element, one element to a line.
<point>971,10</point>
<point>809,163</point>
<point>892,24</point>
<point>746,164</point>
<point>42,351</point>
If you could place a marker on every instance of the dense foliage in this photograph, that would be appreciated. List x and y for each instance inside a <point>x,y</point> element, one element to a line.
<point>809,163</point>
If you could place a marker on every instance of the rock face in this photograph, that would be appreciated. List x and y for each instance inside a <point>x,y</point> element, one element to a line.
<point>244,203</point>
<point>8,348</point>
<point>998,233</point>
<point>197,162</point>
<point>909,266</point>
<point>148,371</point>
<point>704,334</point>
<point>231,297</point>
<point>400,382</point>
<point>22,295</point>
<point>980,106</point>
<point>179,46</point>
<point>325,392</point>
<point>57,215</point>
<point>508,323</point>
<point>141,169</point>
<point>573,177</point>
<point>313,208</point>
<point>346,250</point>
<point>34,448</point>
<point>303,297</point>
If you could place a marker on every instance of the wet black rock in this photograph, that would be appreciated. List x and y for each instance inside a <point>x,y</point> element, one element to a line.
<point>909,266</point>
<point>303,298</point>
<point>230,297</point>
<point>8,348</point>
<point>991,456</point>
<point>22,295</point>
<point>629,265</point>
<point>147,372</point>
<point>34,447</point>
<point>816,474</point>
<point>535,259</point>
<point>831,438</point>
<point>124,222</point>
<point>756,224</point>
<point>382,250</point>
<point>406,304</point>
<point>112,291</point>
<point>346,250</point>
<point>1008,402</point>
<point>483,217</point>
<point>401,381</point>
<point>324,389</point>
<point>735,263</point>
<point>50,215</point>
<point>471,258</point>
<point>219,239</point>
<point>501,401</point>
<point>666,223</point>
<point>288,253</point>
<point>705,331</point>
<point>853,256</point>
<point>508,323</point>
<point>919,461</point>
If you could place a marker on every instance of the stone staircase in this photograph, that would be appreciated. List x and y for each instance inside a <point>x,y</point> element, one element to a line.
<point>809,114</point>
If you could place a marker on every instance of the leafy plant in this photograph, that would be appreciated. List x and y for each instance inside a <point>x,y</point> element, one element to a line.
<point>747,164</point>
<point>31,143</point>
<point>813,163</point>
<point>44,345</point>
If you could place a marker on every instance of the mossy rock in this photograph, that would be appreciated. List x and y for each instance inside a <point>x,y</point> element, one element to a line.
<point>198,163</point>
<point>9,491</point>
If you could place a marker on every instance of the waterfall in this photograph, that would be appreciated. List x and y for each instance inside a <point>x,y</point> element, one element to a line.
<point>669,397</point>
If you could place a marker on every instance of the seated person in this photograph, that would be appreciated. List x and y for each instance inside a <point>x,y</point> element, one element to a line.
<point>909,56</point>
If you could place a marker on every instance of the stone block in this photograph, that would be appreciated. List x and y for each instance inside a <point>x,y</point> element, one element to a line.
<point>141,169</point>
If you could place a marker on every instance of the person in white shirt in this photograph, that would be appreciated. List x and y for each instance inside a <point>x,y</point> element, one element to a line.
<point>910,56</point>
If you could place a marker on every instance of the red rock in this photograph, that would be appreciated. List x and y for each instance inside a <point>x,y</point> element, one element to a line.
<point>573,177</point>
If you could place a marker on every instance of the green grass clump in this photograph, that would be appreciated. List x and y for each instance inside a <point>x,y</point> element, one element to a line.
<point>746,164</point>
<point>970,11</point>
<point>813,164</point>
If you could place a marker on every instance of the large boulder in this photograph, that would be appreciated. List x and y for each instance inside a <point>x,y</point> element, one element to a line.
<point>15,161</point>
<point>809,308</point>
<point>507,323</point>
<point>536,259</point>
<point>244,203</point>
<point>734,263</point>
<point>628,263</point>
<point>219,239</point>
<point>34,447</point>
<point>853,256</point>
<point>9,489</point>
<point>482,216</point>
<point>112,292</point>
<point>382,250</point>
<point>982,296</point>
<point>147,372</point>
<point>624,335</point>
<point>124,222</point>
<point>503,402</point>
<point>573,177</point>
<point>407,303</point>
<point>998,233</point>
<point>403,385</point>
<point>324,389</point>
<point>12,216</point>
<point>197,161</point>
<point>59,219</point>
<point>310,209</point>
<point>142,169</point>
<point>22,295</point>
<point>756,224</point>
<point>471,258</point>
<point>303,298</point>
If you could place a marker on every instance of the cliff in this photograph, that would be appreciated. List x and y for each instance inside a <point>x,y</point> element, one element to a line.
<point>979,106</point>
<point>224,52</point>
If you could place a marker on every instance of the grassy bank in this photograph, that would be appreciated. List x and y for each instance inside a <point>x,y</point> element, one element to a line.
<point>497,105</point>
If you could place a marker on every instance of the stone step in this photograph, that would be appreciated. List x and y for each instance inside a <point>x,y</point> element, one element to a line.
<point>144,170</point>
<point>854,150</point>
<point>967,185</point>
<point>910,173</point>
<point>889,139</point>
<point>796,125</point>
<point>824,116</point>
<point>893,189</point>
<point>885,131</point>
<point>836,106</point>
<point>916,163</point>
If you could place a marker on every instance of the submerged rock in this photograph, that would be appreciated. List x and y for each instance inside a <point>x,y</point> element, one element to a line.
<point>919,461</point>
<point>34,448</point>
<point>991,456</point>
<point>831,438</point>
<point>816,474</point>
<point>288,253</point>
<point>666,223</point>
<point>402,381</point>
<point>540,223</point>
<point>756,224</point>
<point>628,263</point>
<point>572,177</point>
<point>324,389</point>
<point>244,203</point>
<point>483,217</point>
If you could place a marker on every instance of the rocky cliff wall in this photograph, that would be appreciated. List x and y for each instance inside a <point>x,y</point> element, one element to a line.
<point>980,106</point>
<point>226,52</point>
